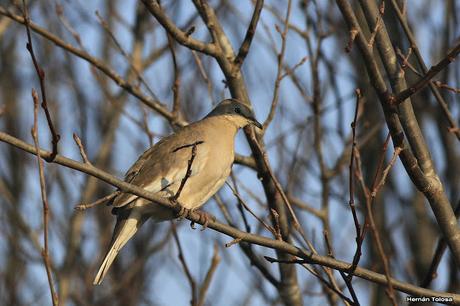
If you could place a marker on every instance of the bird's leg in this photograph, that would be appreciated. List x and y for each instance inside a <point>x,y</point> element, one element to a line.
<point>183,212</point>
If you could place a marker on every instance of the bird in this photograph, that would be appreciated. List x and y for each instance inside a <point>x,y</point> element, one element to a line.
<point>188,166</point>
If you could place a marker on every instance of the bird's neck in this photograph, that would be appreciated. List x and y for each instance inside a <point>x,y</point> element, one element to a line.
<point>223,125</point>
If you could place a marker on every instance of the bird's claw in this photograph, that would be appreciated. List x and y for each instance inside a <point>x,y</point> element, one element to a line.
<point>204,218</point>
<point>183,213</point>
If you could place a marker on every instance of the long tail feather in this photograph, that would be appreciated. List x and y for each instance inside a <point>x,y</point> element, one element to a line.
<point>124,230</point>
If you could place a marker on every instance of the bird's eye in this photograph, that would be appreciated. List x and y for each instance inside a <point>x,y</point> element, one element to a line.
<point>237,110</point>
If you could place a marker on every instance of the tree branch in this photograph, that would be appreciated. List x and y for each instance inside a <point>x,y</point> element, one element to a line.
<point>41,77</point>
<point>182,37</point>
<point>426,79</point>
<point>244,48</point>
<point>429,184</point>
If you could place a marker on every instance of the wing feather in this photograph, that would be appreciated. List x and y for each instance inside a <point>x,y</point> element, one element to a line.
<point>164,164</point>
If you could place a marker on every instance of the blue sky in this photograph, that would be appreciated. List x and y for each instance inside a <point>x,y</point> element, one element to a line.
<point>170,287</point>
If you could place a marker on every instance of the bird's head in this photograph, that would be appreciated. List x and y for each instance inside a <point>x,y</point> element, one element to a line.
<point>237,112</point>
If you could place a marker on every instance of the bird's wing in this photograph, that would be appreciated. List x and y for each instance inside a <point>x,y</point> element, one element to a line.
<point>166,163</point>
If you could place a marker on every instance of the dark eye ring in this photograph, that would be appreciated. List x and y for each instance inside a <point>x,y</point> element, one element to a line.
<point>237,110</point>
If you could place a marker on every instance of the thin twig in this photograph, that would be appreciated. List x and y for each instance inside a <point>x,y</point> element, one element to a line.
<point>386,171</point>
<point>128,58</point>
<point>370,219</point>
<point>60,13</point>
<point>244,48</point>
<point>41,77</point>
<point>280,57</point>
<point>377,25</point>
<point>145,125</point>
<point>281,192</point>
<point>184,265</point>
<point>240,204</point>
<point>426,79</point>
<point>351,186</point>
<point>207,280</point>
<point>81,148</point>
<point>351,167</point>
<point>177,75</point>
<point>45,252</point>
<point>322,280</point>
<point>234,241</point>
<point>378,241</point>
<point>102,200</point>
<point>99,64</point>
<point>188,173</point>
<point>405,61</point>
<point>240,200</point>
<point>203,74</point>
<point>447,87</point>
<point>290,71</point>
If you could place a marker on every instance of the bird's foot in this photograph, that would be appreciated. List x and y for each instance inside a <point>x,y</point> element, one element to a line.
<point>204,219</point>
<point>183,213</point>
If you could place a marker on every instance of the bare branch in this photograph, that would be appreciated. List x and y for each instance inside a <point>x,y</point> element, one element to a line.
<point>244,48</point>
<point>182,37</point>
<point>279,73</point>
<point>207,280</point>
<point>184,265</point>
<point>155,105</point>
<point>410,36</point>
<point>102,200</point>
<point>426,79</point>
<point>81,148</point>
<point>41,77</point>
<point>45,250</point>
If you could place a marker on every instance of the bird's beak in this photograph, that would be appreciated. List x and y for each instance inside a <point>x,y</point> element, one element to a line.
<point>257,123</point>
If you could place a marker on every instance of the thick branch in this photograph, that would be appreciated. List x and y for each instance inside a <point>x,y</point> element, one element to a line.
<point>434,89</point>
<point>429,184</point>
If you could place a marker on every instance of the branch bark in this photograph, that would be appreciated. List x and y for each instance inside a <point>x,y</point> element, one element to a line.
<point>428,183</point>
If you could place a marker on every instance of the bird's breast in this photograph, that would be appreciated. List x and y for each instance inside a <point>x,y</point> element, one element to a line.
<point>218,160</point>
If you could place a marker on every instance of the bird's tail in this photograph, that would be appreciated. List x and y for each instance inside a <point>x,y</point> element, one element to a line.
<point>124,230</point>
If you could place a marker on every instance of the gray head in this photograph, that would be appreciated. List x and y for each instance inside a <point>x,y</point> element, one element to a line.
<point>238,112</point>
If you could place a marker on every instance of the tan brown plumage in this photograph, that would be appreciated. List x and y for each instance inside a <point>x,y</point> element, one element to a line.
<point>161,169</point>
